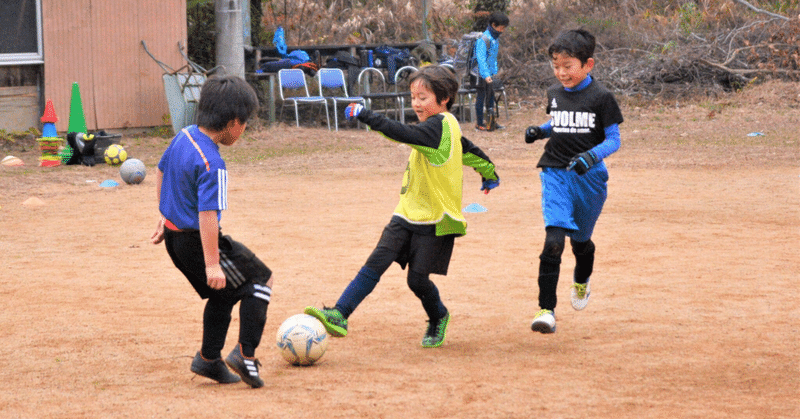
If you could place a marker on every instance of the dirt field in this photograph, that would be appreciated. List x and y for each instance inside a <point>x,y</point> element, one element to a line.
<point>693,311</point>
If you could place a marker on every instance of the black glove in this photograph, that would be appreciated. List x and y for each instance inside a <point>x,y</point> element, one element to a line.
<point>583,162</point>
<point>533,133</point>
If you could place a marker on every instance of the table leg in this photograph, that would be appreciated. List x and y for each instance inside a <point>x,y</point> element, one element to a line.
<point>271,99</point>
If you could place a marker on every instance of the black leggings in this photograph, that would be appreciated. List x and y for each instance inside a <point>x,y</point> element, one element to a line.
<point>550,264</point>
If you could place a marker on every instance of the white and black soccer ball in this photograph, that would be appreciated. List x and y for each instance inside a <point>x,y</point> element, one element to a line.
<point>132,171</point>
<point>302,339</point>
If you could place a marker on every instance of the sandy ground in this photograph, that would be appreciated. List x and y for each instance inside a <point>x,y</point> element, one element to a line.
<point>692,314</point>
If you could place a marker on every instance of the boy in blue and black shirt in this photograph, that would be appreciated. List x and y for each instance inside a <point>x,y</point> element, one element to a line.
<point>192,189</point>
<point>583,130</point>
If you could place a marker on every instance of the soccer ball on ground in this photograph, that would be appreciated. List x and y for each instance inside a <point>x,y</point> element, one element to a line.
<point>132,171</point>
<point>302,339</point>
<point>115,154</point>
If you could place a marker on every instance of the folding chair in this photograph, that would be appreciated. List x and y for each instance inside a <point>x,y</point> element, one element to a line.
<point>371,79</point>
<point>464,90</point>
<point>331,80</point>
<point>404,91</point>
<point>293,81</point>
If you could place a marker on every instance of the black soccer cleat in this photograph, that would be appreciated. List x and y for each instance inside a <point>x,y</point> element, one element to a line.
<point>246,367</point>
<point>215,370</point>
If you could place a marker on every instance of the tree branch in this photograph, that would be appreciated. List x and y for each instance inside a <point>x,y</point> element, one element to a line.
<point>757,10</point>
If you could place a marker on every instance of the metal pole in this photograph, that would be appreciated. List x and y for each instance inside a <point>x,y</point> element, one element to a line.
<point>425,20</point>
<point>230,46</point>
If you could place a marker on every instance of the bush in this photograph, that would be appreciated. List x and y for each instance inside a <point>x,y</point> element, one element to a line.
<point>648,49</point>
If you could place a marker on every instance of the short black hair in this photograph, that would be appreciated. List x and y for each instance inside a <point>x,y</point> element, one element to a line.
<point>440,80</point>
<point>498,18</point>
<point>224,99</point>
<point>577,43</point>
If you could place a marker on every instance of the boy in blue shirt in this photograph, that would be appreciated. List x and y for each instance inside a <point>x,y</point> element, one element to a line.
<point>583,130</point>
<point>192,189</point>
<point>486,49</point>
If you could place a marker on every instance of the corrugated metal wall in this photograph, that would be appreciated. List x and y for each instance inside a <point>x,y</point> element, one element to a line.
<point>97,43</point>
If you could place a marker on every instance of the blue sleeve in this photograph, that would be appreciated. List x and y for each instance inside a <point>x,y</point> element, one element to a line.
<point>547,127</point>
<point>481,52</point>
<point>610,144</point>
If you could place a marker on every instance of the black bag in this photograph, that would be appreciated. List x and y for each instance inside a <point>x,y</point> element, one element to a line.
<point>391,59</point>
<point>343,60</point>
<point>349,64</point>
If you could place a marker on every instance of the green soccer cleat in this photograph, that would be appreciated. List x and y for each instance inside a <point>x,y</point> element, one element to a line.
<point>437,330</point>
<point>331,318</point>
<point>579,297</point>
<point>544,322</point>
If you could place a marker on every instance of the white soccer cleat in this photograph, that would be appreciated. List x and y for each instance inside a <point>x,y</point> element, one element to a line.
<point>579,297</point>
<point>544,322</point>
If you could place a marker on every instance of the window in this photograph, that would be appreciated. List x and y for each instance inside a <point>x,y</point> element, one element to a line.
<point>20,32</point>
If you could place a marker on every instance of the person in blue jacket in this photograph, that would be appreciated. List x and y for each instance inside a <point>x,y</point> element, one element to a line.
<point>486,49</point>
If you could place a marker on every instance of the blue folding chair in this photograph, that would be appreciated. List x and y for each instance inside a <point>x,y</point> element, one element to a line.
<point>331,83</point>
<point>293,82</point>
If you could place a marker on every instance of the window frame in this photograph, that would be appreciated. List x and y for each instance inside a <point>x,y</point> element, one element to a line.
<point>27,58</point>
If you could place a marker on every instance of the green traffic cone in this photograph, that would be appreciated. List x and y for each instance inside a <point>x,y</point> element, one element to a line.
<point>77,122</point>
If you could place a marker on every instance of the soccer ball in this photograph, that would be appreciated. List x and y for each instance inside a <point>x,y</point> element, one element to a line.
<point>115,155</point>
<point>302,339</point>
<point>132,171</point>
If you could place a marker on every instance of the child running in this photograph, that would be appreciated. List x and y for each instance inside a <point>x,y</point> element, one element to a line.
<point>192,190</point>
<point>428,217</point>
<point>583,130</point>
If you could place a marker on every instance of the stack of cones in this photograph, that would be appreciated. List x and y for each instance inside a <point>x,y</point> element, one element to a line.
<point>49,144</point>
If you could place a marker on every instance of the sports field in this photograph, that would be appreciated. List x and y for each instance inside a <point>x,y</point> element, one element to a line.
<point>693,312</point>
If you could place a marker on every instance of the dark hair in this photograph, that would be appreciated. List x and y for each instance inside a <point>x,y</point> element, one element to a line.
<point>576,43</point>
<point>498,18</point>
<point>440,80</point>
<point>224,99</point>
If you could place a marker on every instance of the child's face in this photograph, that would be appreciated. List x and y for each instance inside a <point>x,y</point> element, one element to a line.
<point>232,132</point>
<point>569,70</point>
<point>424,101</point>
<point>499,28</point>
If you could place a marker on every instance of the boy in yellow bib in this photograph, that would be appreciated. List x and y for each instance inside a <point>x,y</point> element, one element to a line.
<point>428,217</point>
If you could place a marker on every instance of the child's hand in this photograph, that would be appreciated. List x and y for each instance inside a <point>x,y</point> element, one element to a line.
<point>533,133</point>
<point>489,184</point>
<point>352,110</point>
<point>158,235</point>
<point>583,162</point>
<point>215,278</point>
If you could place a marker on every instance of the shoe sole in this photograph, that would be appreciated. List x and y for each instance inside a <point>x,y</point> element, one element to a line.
<point>231,379</point>
<point>333,330</point>
<point>542,327</point>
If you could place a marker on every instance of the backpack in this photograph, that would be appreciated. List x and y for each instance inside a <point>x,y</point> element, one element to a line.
<point>391,59</point>
<point>465,61</point>
<point>425,52</point>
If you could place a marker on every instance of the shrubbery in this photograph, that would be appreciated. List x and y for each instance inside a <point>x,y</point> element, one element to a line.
<point>647,49</point>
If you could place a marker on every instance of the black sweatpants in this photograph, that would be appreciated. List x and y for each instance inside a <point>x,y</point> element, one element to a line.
<point>246,279</point>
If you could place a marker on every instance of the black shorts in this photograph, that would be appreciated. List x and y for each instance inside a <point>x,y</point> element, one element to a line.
<point>242,268</point>
<point>416,246</point>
